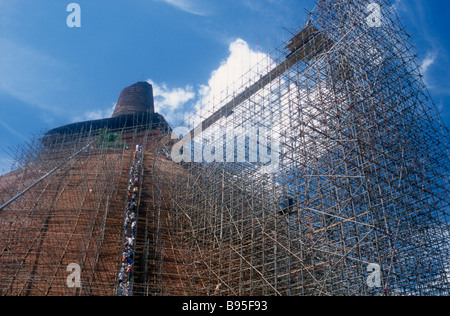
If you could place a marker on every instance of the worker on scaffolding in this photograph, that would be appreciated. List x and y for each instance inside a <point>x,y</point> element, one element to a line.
<point>133,229</point>
<point>130,217</point>
<point>127,221</point>
<point>131,253</point>
<point>130,272</point>
<point>129,261</point>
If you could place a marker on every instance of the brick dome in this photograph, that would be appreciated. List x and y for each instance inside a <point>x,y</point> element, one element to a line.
<point>136,98</point>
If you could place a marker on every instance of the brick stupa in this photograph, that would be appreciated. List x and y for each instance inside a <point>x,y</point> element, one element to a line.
<point>136,98</point>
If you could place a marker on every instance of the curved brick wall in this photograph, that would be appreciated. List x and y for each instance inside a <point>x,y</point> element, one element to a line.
<point>134,99</point>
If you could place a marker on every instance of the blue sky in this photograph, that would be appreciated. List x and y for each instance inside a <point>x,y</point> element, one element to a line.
<point>51,75</point>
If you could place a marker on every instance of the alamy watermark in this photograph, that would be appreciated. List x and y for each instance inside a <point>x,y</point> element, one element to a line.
<point>255,146</point>
<point>74,18</point>
<point>373,20</point>
<point>374,279</point>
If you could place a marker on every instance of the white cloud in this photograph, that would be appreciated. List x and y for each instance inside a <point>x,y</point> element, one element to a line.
<point>428,61</point>
<point>188,6</point>
<point>170,101</point>
<point>242,68</point>
<point>441,106</point>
